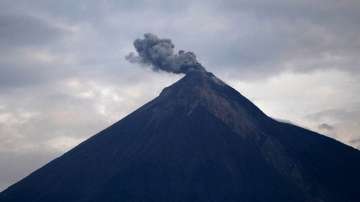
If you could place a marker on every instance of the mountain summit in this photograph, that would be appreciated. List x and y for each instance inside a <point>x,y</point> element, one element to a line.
<point>198,141</point>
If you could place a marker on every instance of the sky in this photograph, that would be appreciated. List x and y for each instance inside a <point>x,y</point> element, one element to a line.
<point>64,77</point>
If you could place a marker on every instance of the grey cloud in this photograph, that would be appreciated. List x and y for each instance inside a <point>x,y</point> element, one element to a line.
<point>276,36</point>
<point>355,141</point>
<point>159,53</point>
<point>31,67</point>
<point>325,126</point>
<point>340,113</point>
<point>24,30</point>
<point>26,55</point>
<point>345,123</point>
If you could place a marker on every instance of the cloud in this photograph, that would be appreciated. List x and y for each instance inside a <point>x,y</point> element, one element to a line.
<point>345,124</point>
<point>26,57</point>
<point>262,39</point>
<point>159,53</point>
<point>309,100</point>
<point>25,30</point>
<point>326,127</point>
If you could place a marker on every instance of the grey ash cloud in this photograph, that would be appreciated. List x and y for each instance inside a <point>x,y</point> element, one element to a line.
<point>159,53</point>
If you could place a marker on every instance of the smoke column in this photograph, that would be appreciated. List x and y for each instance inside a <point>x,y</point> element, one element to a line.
<point>159,54</point>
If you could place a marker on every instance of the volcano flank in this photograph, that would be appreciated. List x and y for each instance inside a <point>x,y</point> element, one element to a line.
<point>198,141</point>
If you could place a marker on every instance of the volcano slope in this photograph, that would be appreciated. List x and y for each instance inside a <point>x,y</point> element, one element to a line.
<point>199,140</point>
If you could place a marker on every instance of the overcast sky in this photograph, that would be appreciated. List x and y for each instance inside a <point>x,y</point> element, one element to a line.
<point>63,76</point>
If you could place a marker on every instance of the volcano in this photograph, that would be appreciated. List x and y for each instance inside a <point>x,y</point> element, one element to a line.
<point>198,141</point>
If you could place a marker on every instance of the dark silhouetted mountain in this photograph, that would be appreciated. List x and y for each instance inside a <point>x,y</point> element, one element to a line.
<point>198,141</point>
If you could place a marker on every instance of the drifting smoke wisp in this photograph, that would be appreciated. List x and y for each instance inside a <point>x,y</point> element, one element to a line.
<point>159,53</point>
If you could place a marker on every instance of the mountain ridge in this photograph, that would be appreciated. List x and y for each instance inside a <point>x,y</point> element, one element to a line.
<point>199,140</point>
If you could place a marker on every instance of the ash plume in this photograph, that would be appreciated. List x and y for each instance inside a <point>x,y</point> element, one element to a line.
<point>159,54</point>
